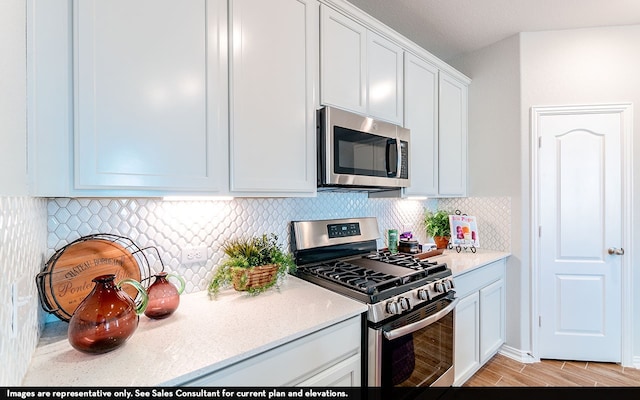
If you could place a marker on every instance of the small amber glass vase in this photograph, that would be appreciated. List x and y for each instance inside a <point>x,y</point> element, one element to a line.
<point>107,317</point>
<point>164,296</point>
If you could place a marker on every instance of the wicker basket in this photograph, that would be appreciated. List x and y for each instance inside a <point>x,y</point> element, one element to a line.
<point>254,277</point>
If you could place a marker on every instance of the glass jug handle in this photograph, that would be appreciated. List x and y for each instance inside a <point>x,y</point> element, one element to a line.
<point>144,298</point>
<point>180,279</point>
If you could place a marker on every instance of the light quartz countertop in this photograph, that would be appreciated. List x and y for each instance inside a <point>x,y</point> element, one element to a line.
<point>201,337</point>
<point>466,261</point>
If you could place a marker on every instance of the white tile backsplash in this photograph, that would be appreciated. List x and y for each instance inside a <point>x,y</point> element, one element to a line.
<point>493,216</point>
<point>172,226</point>
<point>23,234</point>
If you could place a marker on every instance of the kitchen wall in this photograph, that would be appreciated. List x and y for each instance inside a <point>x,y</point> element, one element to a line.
<point>570,67</point>
<point>589,66</point>
<point>498,164</point>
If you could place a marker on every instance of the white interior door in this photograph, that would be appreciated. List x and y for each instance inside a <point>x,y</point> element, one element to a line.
<point>580,214</point>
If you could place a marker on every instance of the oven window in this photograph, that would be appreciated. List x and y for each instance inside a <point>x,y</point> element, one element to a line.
<point>419,358</point>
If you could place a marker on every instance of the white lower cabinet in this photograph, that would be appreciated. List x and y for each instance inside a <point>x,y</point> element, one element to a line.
<point>479,318</point>
<point>329,357</point>
<point>492,324</point>
<point>467,337</point>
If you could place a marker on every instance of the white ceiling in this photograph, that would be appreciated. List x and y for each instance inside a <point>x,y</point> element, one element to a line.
<point>448,28</point>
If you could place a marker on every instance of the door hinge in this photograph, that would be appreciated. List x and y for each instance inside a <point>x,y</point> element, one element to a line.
<point>539,141</point>
<point>539,230</point>
<point>539,321</point>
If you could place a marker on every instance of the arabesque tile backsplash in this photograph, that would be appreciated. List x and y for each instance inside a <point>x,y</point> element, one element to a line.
<point>171,226</point>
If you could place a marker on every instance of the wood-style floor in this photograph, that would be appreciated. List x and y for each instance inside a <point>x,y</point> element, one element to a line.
<point>504,371</point>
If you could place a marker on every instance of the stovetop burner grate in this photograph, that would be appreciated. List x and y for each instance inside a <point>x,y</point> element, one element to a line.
<point>370,281</point>
<point>360,278</point>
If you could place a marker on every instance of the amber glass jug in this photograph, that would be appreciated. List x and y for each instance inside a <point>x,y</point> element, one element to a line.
<point>107,317</point>
<point>164,296</point>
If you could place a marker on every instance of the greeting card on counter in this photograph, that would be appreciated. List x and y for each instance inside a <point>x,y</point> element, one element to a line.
<point>464,231</point>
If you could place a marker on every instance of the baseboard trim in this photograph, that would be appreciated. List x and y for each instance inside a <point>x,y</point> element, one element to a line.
<point>516,354</point>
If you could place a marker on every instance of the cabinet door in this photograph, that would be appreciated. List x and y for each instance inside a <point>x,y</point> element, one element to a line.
<point>273,79</point>
<point>344,374</point>
<point>421,117</point>
<point>492,319</point>
<point>150,94</point>
<point>452,163</point>
<point>343,68</point>
<point>467,341</point>
<point>384,79</point>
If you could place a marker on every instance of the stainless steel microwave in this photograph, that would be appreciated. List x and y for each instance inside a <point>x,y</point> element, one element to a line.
<point>357,152</point>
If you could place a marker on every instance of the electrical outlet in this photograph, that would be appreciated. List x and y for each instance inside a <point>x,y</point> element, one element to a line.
<point>194,254</point>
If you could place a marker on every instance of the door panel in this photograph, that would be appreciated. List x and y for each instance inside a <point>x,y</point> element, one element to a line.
<point>581,211</point>
<point>581,305</point>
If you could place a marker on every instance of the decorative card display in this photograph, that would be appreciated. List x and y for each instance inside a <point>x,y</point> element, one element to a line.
<point>464,231</point>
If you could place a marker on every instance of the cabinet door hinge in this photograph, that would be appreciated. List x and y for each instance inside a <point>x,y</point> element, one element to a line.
<point>539,230</point>
<point>539,321</point>
<point>539,141</point>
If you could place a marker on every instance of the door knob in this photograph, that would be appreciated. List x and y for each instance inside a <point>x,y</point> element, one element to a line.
<point>614,251</point>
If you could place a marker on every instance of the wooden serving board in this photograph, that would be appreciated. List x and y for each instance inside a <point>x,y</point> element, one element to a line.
<point>431,253</point>
<point>67,279</point>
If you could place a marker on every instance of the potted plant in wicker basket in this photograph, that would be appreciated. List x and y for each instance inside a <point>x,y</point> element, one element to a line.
<point>437,226</point>
<point>253,265</point>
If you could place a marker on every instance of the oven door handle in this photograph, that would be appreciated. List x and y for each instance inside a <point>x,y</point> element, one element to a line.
<point>405,330</point>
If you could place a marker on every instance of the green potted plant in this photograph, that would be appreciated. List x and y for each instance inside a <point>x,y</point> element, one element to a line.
<point>437,226</point>
<point>253,264</point>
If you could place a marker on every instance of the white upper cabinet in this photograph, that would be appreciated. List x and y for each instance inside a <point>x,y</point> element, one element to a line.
<point>158,97</point>
<point>360,70</point>
<point>436,114</point>
<point>150,103</point>
<point>421,118</point>
<point>343,71</point>
<point>273,82</point>
<point>384,78</point>
<point>452,137</point>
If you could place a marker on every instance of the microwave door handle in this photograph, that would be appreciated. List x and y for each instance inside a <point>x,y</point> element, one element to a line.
<point>399,159</point>
<point>405,330</point>
<point>393,148</point>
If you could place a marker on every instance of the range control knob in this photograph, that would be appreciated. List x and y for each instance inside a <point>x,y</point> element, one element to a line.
<point>438,287</point>
<point>448,284</point>
<point>404,303</point>
<point>393,308</point>
<point>423,294</point>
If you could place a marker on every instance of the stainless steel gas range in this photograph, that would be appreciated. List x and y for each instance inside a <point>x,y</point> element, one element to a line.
<point>409,336</point>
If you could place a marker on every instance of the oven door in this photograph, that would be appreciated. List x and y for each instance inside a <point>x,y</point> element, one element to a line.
<point>415,350</point>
